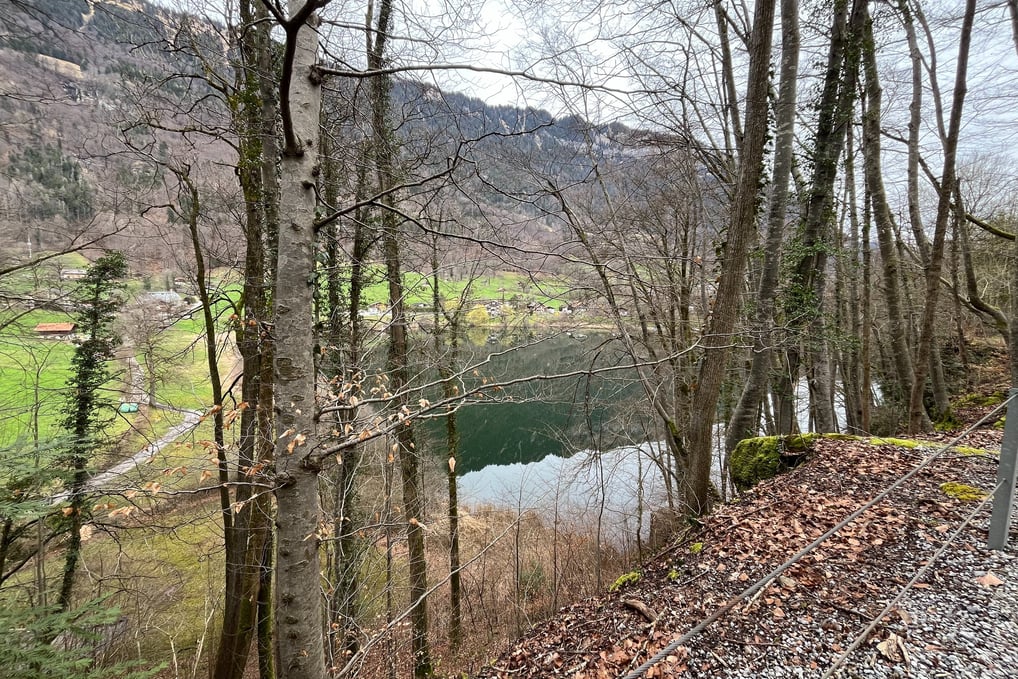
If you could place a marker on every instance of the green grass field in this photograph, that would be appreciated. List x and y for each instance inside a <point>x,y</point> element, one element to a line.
<point>33,374</point>
<point>44,275</point>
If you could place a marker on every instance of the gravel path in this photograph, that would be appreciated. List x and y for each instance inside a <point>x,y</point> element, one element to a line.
<point>959,620</point>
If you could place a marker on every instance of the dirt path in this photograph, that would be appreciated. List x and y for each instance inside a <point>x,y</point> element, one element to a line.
<point>191,420</point>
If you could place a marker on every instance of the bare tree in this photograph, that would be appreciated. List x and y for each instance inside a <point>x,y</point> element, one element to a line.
<point>883,218</point>
<point>746,416</point>
<point>716,338</point>
<point>916,409</point>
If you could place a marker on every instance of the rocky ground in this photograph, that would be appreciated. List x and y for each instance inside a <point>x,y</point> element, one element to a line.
<point>958,619</point>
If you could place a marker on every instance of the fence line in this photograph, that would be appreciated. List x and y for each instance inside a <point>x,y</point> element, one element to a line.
<point>798,556</point>
<point>862,636</point>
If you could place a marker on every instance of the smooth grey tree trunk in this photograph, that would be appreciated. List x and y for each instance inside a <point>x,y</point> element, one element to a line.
<point>298,592</point>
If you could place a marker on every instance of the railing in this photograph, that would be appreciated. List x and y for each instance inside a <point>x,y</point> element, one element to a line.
<point>1002,496</point>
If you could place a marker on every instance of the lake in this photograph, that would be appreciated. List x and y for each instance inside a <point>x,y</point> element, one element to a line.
<point>575,447</point>
<point>533,448</point>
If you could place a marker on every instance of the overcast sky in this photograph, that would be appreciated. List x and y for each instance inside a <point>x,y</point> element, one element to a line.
<point>611,35</point>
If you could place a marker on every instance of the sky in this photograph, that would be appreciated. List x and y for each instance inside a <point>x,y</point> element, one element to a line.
<point>617,37</point>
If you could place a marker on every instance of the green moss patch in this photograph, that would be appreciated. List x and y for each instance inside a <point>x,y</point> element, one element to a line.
<point>947,422</point>
<point>977,452</point>
<point>901,443</point>
<point>625,580</point>
<point>963,492</point>
<point>757,459</point>
<point>980,400</point>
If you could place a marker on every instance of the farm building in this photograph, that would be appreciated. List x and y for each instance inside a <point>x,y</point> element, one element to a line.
<point>55,329</point>
<point>72,274</point>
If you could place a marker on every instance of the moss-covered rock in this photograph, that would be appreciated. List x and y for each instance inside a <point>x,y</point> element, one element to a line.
<point>757,459</point>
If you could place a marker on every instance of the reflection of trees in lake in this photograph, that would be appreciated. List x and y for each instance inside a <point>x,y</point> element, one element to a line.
<point>547,416</point>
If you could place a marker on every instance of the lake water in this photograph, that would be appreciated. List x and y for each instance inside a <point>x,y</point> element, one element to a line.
<point>533,449</point>
<point>536,451</point>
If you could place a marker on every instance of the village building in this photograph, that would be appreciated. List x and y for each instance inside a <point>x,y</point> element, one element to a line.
<point>167,297</point>
<point>55,330</point>
<point>162,304</point>
<point>72,274</point>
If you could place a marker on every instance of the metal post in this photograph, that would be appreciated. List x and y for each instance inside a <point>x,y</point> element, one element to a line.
<point>1003,499</point>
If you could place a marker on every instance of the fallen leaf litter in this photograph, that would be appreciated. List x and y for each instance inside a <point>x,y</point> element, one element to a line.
<point>960,622</point>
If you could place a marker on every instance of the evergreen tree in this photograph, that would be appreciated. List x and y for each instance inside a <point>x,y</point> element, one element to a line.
<point>87,411</point>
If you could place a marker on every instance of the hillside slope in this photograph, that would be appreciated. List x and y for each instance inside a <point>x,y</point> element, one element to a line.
<point>92,91</point>
<point>957,620</point>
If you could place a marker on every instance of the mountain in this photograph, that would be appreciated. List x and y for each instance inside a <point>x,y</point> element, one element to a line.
<point>88,86</point>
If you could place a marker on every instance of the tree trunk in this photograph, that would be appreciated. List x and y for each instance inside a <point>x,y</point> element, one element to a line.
<point>399,350</point>
<point>805,298</point>
<point>997,318</point>
<point>856,395</point>
<point>914,124</point>
<point>446,363</point>
<point>884,221</point>
<point>717,334</point>
<point>249,531</point>
<point>343,341</point>
<point>268,649</point>
<point>916,410</point>
<point>298,593</point>
<point>866,351</point>
<point>728,80</point>
<point>409,462</point>
<point>1012,6</point>
<point>745,419</point>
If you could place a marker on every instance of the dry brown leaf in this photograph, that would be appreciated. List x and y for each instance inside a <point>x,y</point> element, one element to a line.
<point>989,580</point>
<point>891,647</point>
